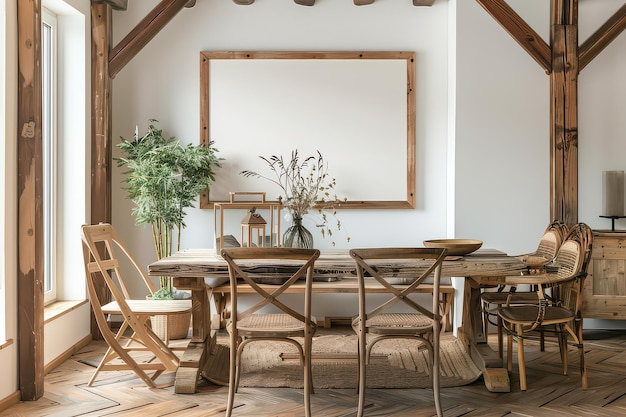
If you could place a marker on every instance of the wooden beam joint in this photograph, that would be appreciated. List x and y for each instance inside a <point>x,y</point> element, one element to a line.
<point>115,4</point>
<point>519,30</point>
<point>427,3</point>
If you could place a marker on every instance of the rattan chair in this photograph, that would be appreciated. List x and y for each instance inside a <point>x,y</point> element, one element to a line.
<point>380,321</point>
<point>252,325</point>
<point>492,300</point>
<point>141,351</point>
<point>560,312</point>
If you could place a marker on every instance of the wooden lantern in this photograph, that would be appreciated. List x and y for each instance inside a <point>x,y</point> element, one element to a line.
<point>253,229</point>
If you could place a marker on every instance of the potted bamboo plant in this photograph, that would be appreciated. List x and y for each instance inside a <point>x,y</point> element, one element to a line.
<point>163,179</point>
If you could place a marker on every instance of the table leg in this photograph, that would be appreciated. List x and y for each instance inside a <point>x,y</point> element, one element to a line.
<point>194,357</point>
<point>472,334</point>
<point>222,307</point>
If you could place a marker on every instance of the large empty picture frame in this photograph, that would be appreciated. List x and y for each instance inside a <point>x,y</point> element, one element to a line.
<point>356,108</point>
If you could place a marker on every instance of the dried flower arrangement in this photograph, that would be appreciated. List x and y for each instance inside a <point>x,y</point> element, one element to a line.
<point>305,186</point>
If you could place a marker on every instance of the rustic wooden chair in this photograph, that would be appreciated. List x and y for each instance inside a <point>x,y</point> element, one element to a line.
<point>561,311</point>
<point>492,300</point>
<point>379,322</point>
<point>253,325</point>
<point>101,245</point>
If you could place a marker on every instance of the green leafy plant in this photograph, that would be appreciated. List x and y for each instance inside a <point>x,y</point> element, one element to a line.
<point>306,185</point>
<point>163,179</point>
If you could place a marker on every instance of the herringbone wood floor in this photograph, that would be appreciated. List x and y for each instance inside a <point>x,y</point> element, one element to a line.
<point>549,393</point>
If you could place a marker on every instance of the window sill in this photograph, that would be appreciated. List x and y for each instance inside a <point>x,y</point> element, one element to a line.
<point>6,343</point>
<point>59,308</point>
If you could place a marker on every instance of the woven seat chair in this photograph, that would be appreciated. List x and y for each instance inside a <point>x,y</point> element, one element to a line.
<point>492,300</point>
<point>561,311</point>
<point>380,321</point>
<point>252,325</point>
<point>101,247</point>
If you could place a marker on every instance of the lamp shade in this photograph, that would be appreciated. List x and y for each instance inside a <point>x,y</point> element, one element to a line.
<point>613,193</point>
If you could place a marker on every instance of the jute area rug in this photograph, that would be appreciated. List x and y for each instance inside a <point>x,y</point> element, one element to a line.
<point>394,364</point>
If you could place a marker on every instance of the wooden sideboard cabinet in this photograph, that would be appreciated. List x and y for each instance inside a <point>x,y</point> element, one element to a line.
<point>604,294</point>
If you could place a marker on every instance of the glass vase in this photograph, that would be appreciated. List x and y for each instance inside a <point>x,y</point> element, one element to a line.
<point>297,236</point>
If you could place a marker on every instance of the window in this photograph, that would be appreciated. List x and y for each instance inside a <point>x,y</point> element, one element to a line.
<point>49,138</point>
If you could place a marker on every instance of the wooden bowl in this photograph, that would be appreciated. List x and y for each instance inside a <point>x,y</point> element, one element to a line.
<point>455,247</point>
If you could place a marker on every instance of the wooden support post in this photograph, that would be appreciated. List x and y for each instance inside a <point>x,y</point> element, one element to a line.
<point>30,201</point>
<point>101,156</point>
<point>100,114</point>
<point>564,112</point>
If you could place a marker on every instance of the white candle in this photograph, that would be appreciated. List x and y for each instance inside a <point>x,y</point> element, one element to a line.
<point>613,193</point>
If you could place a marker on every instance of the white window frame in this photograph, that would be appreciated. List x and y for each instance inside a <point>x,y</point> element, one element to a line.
<point>50,158</point>
<point>3,146</point>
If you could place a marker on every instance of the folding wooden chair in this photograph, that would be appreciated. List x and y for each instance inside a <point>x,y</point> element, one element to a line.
<point>380,267</point>
<point>100,243</point>
<point>249,264</point>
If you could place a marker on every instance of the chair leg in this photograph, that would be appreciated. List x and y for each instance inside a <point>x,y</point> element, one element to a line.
<point>362,359</point>
<point>308,379</point>
<point>116,350</point>
<point>509,349</point>
<point>581,354</point>
<point>232,375</point>
<point>500,337</point>
<point>562,335</point>
<point>435,372</point>
<point>520,358</point>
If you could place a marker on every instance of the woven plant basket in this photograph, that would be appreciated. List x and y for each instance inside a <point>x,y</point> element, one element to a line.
<point>178,326</point>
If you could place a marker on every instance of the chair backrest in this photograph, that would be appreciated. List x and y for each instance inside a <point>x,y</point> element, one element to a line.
<point>100,245</point>
<point>551,240</point>
<point>573,259</point>
<point>384,265</point>
<point>574,253</point>
<point>100,249</point>
<point>290,264</point>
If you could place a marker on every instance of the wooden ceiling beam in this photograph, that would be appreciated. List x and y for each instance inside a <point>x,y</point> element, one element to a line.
<point>123,4</point>
<point>520,31</point>
<point>143,33</point>
<point>602,37</point>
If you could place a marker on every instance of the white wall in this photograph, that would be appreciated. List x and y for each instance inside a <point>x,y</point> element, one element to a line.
<point>502,132</point>
<point>61,334</point>
<point>162,82</point>
<point>502,127</point>
<point>495,125</point>
<point>602,123</point>
<point>601,112</point>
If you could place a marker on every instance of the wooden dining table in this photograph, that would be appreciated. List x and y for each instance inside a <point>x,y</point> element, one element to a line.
<point>203,271</point>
